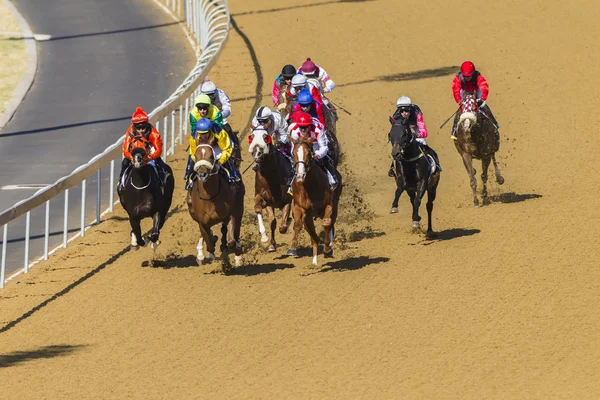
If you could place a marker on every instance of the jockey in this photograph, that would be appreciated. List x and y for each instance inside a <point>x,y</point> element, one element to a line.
<point>220,100</point>
<point>307,126</point>
<point>307,104</point>
<point>300,82</point>
<point>283,82</point>
<point>205,109</point>
<point>313,71</point>
<point>142,129</point>
<point>277,127</point>
<point>406,110</point>
<point>222,150</point>
<point>470,81</point>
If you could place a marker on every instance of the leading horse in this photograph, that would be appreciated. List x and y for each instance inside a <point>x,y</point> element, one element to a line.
<point>313,198</point>
<point>142,197</point>
<point>476,138</point>
<point>415,172</point>
<point>270,184</point>
<point>214,200</point>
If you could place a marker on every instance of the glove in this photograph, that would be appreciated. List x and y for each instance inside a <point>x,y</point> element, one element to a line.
<point>480,102</point>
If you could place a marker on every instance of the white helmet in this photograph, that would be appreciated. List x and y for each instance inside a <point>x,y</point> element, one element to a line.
<point>403,101</point>
<point>208,87</point>
<point>263,113</point>
<point>299,80</point>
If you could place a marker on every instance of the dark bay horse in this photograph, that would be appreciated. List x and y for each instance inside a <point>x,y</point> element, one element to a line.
<point>213,200</point>
<point>313,198</point>
<point>476,139</point>
<point>142,197</point>
<point>413,173</point>
<point>270,185</point>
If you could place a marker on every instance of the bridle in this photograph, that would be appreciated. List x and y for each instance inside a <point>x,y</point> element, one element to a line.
<point>212,171</point>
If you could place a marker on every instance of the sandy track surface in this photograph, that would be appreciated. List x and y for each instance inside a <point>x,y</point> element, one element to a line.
<point>502,304</point>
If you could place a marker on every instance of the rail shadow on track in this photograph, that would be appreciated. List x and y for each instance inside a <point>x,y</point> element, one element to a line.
<point>324,3</point>
<point>17,357</point>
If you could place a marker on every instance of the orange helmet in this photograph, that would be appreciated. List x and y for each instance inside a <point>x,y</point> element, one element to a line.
<point>139,116</point>
<point>304,119</point>
<point>467,68</point>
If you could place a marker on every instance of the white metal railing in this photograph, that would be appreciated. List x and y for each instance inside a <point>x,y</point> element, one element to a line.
<point>207,25</point>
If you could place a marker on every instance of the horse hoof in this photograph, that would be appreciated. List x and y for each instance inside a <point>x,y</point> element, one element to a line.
<point>271,248</point>
<point>239,261</point>
<point>154,245</point>
<point>500,180</point>
<point>292,252</point>
<point>394,210</point>
<point>328,254</point>
<point>200,260</point>
<point>135,247</point>
<point>283,230</point>
<point>416,226</point>
<point>326,222</point>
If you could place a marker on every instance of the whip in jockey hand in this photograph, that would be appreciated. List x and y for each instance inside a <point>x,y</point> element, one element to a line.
<point>276,127</point>
<point>413,117</point>
<point>306,126</point>
<point>222,150</point>
<point>470,81</point>
<point>283,82</point>
<point>142,130</point>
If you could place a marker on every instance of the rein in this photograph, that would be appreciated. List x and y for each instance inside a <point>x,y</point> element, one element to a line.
<point>139,188</point>
<point>211,197</point>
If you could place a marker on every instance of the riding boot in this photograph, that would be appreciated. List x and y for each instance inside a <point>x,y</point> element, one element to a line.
<point>435,157</point>
<point>126,163</point>
<point>234,176</point>
<point>162,171</point>
<point>326,163</point>
<point>454,127</point>
<point>188,173</point>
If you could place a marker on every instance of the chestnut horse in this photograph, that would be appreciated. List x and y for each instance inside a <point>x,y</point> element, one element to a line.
<point>142,197</point>
<point>270,184</point>
<point>214,200</point>
<point>476,139</point>
<point>313,198</point>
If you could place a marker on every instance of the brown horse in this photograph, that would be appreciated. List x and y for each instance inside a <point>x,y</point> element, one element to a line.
<point>270,185</point>
<point>285,100</point>
<point>476,139</point>
<point>214,200</point>
<point>313,198</point>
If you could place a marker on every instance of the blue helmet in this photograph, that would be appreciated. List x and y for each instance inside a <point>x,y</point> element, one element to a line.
<point>304,97</point>
<point>203,125</point>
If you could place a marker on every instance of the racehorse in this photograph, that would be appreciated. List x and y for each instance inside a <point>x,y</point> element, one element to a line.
<point>270,184</point>
<point>214,200</point>
<point>414,173</point>
<point>285,99</point>
<point>142,197</point>
<point>476,138</point>
<point>313,198</point>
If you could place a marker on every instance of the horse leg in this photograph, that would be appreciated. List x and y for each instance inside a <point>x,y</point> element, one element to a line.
<point>399,190</point>
<point>157,223</point>
<point>261,226</point>
<point>468,162</point>
<point>314,238</point>
<point>273,222</point>
<point>485,165</point>
<point>285,215</point>
<point>499,178</point>
<point>136,233</point>
<point>224,249</point>
<point>431,193</point>
<point>416,203</point>
<point>298,223</point>
<point>328,219</point>
<point>210,245</point>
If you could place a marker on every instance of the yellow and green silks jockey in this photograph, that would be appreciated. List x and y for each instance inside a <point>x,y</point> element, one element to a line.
<point>210,111</point>
<point>204,125</point>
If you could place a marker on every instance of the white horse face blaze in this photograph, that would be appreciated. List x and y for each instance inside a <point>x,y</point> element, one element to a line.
<point>258,146</point>
<point>301,170</point>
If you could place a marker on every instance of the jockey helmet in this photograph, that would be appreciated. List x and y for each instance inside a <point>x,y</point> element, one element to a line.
<point>298,80</point>
<point>203,99</point>
<point>203,125</point>
<point>308,67</point>
<point>263,114</point>
<point>139,116</point>
<point>208,87</point>
<point>304,119</point>
<point>304,97</point>
<point>467,68</point>
<point>288,71</point>
<point>403,101</point>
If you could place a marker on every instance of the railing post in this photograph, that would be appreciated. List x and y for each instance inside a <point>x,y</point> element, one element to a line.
<point>181,123</point>
<point>98,191</point>
<point>66,220</point>
<point>27,230</point>
<point>3,264</point>
<point>111,195</point>
<point>173,132</point>
<point>47,230</point>
<point>83,187</point>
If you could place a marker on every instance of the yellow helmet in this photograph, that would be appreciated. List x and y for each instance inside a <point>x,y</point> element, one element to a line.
<point>203,99</point>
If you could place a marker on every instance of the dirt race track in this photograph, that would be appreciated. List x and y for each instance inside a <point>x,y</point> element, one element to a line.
<point>503,304</point>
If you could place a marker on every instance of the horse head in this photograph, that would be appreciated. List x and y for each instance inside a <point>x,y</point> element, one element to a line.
<point>139,154</point>
<point>468,110</point>
<point>205,161</point>
<point>401,138</point>
<point>303,157</point>
<point>260,143</point>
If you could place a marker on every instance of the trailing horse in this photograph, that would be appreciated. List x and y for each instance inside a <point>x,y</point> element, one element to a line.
<point>476,138</point>
<point>270,185</point>
<point>214,200</point>
<point>142,197</point>
<point>415,173</point>
<point>313,198</point>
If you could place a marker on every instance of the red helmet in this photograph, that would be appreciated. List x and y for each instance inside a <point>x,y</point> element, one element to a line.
<point>304,119</point>
<point>308,67</point>
<point>467,68</point>
<point>139,116</point>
